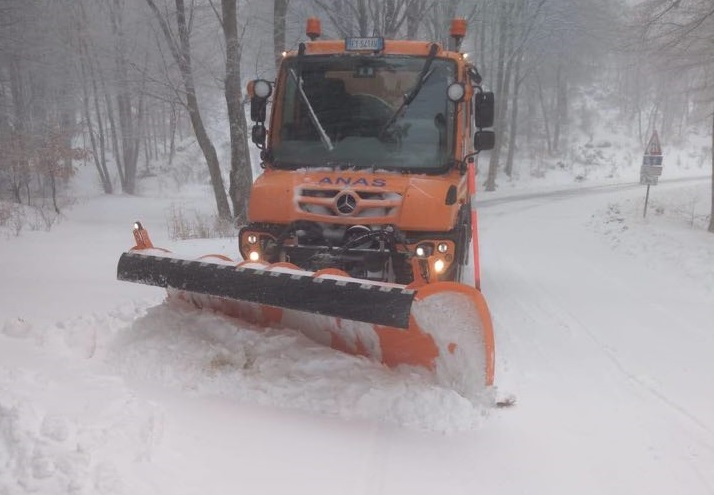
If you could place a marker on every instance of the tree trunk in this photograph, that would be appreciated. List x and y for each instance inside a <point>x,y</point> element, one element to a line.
<point>155,127</point>
<point>115,140</point>
<point>53,188</point>
<point>561,108</point>
<point>543,107</point>
<point>101,166</point>
<point>96,73</point>
<point>21,175</point>
<point>508,169</point>
<point>137,132</point>
<point>136,144</point>
<point>280,10</point>
<point>500,79</point>
<point>711,214</point>
<point>67,122</point>
<point>558,106</point>
<point>415,14</point>
<point>482,44</point>
<point>362,18</point>
<point>530,110</point>
<point>129,138</point>
<point>147,156</point>
<point>100,123</point>
<point>100,129</point>
<point>164,133</point>
<point>172,132</point>
<point>181,52</point>
<point>241,177</point>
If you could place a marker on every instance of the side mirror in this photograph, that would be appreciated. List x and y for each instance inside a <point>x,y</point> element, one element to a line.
<point>257,109</point>
<point>484,109</point>
<point>484,140</point>
<point>258,135</point>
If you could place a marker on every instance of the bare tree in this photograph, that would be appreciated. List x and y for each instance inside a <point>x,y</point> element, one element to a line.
<point>502,78</point>
<point>415,17</point>
<point>37,100</point>
<point>181,51</point>
<point>241,177</point>
<point>369,17</point>
<point>280,11</point>
<point>547,45</point>
<point>129,102</point>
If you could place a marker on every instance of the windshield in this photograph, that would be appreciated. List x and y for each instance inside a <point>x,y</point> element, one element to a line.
<point>356,102</point>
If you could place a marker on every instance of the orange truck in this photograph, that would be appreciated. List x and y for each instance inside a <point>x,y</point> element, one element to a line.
<point>362,232</point>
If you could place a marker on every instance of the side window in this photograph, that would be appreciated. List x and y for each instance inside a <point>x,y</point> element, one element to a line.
<point>289,101</point>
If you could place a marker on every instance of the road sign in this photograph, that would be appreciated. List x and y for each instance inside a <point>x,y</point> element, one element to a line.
<point>651,167</point>
<point>653,147</point>
<point>648,180</point>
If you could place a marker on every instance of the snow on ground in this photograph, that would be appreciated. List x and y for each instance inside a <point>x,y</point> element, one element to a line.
<point>604,335</point>
<point>671,234</point>
<point>607,349</point>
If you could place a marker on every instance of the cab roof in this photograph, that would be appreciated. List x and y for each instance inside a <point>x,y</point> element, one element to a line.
<point>391,47</point>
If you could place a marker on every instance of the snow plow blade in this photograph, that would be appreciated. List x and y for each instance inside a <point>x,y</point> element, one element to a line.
<point>340,298</point>
<point>442,329</point>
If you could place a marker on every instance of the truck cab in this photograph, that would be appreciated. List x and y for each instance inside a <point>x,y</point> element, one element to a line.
<point>366,158</point>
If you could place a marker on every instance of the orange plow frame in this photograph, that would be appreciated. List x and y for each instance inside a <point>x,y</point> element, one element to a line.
<point>449,332</point>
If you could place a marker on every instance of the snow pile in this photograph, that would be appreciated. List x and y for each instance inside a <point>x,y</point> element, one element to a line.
<point>672,237</point>
<point>66,426</point>
<point>45,452</point>
<point>207,354</point>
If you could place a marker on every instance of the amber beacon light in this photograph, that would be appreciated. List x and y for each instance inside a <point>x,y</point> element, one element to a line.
<point>458,31</point>
<point>313,28</point>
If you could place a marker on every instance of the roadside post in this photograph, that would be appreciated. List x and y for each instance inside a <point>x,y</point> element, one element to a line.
<point>651,168</point>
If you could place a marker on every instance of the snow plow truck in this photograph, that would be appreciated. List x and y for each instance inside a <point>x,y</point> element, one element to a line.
<point>362,229</point>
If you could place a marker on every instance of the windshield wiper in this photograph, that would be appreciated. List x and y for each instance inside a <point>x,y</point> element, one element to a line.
<point>310,111</point>
<point>409,97</point>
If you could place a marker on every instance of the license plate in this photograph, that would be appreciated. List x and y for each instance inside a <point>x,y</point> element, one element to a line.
<point>370,44</point>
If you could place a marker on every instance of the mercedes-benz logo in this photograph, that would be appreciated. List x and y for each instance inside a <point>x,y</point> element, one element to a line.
<point>346,204</point>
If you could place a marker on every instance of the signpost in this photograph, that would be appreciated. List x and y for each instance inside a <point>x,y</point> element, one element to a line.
<point>651,168</point>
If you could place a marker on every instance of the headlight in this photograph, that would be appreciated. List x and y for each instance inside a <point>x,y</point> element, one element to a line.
<point>262,88</point>
<point>424,250</point>
<point>456,92</point>
<point>442,247</point>
<point>252,238</point>
<point>439,266</point>
<point>254,256</point>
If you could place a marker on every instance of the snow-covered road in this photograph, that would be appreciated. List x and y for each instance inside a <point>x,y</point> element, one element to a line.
<point>610,353</point>
<point>605,335</point>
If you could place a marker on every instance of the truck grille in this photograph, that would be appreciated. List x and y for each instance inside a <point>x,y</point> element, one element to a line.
<point>349,203</point>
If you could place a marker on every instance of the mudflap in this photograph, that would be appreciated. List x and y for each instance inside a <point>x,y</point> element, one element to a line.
<point>443,328</point>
